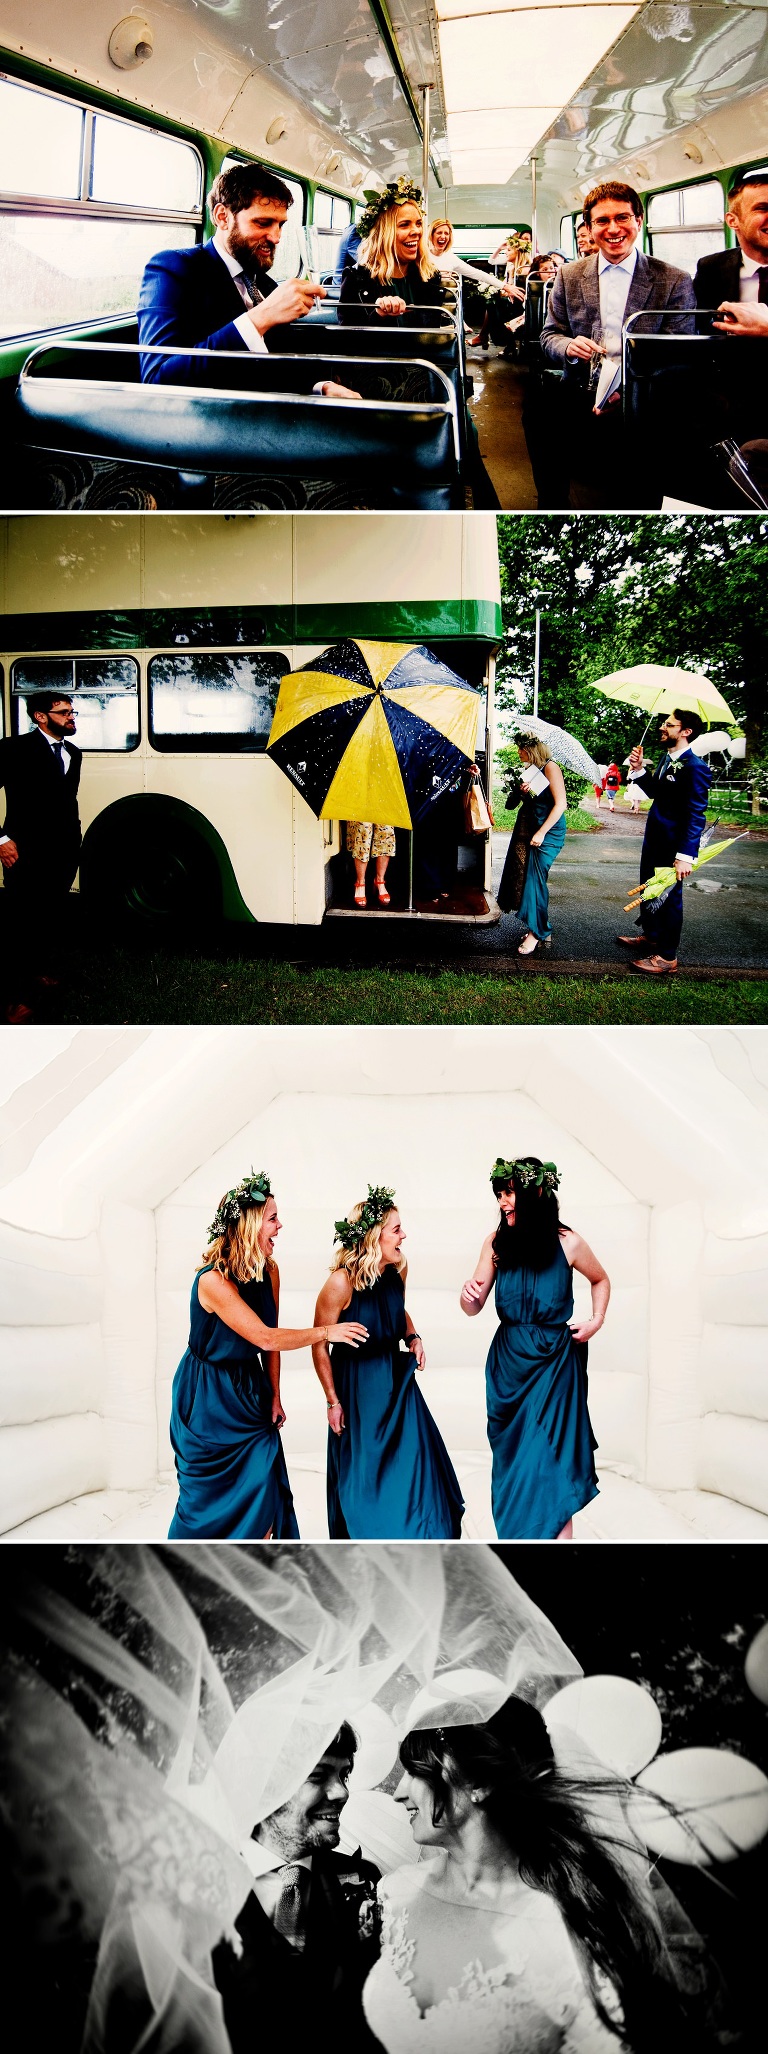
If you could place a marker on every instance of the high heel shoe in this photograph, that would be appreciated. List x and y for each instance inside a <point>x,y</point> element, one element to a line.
<point>384,898</point>
<point>537,941</point>
<point>360,895</point>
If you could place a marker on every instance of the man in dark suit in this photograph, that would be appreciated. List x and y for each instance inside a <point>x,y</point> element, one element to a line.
<point>673,831</point>
<point>308,1931</point>
<point>590,301</point>
<point>218,296</point>
<point>739,275</point>
<point>39,844</point>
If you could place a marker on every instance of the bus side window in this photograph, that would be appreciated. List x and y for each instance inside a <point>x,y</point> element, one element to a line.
<point>81,258</point>
<point>330,217</point>
<point>686,223</point>
<point>105,691</point>
<point>214,702</point>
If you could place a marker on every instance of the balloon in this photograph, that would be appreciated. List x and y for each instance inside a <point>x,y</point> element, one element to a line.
<point>458,1697</point>
<point>756,1665</point>
<point>618,1719</point>
<point>722,1800</point>
<point>373,1821</point>
<point>377,1748</point>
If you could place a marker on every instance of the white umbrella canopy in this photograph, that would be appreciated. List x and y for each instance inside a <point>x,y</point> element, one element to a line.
<point>565,749</point>
<point>660,687</point>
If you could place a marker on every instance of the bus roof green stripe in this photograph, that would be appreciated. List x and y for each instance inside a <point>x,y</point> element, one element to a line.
<point>476,620</point>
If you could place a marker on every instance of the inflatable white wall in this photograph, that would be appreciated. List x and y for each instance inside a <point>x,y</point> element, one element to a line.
<point>113,1157</point>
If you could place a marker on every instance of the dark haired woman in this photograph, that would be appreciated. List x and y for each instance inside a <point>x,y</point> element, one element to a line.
<point>535,1376</point>
<point>390,1476</point>
<point>530,1927</point>
<point>226,1412</point>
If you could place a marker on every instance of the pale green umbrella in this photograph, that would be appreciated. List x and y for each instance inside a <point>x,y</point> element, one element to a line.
<point>659,688</point>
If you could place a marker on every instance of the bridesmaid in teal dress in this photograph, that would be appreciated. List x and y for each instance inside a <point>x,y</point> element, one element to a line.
<point>548,808</point>
<point>226,1412</point>
<point>390,1476</point>
<point>536,1374</point>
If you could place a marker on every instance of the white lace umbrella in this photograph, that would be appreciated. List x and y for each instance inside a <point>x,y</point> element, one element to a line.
<point>564,748</point>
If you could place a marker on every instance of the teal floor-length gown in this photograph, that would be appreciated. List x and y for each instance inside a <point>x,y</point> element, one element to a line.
<point>233,1482</point>
<point>390,1476</point>
<point>534,903</point>
<point>536,1393</point>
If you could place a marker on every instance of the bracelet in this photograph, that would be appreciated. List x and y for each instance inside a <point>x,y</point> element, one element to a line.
<point>412,1337</point>
<point>332,1403</point>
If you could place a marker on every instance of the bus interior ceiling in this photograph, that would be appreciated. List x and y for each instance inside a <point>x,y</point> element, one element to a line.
<point>667,97</point>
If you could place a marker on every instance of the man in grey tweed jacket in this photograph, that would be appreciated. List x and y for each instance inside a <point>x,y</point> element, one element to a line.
<point>590,301</point>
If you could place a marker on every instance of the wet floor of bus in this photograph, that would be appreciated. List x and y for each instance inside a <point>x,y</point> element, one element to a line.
<point>496,407</point>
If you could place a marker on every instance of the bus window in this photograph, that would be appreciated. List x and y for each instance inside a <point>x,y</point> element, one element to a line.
<point>81,258</point>
<point>686,223</point>
<point>138,168</point>
<point>207,703</point>
<point>291,254</point>
<point>330,217</point>
<point>105,690</point>
<point>568,237</point>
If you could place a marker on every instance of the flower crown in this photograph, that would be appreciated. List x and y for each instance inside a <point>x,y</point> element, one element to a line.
<point>526,1176</point>
<point>379,1202</point>
<point>254,1190</point>
<point>397,194</point>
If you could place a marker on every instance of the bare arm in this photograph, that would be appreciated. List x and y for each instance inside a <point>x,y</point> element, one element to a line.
<point>478,1286</point>
<point>581,1258</point>
<point>412,1336</point>
<point>218,1294</point>
<point>272,1360</point>
<point>333,1300</point>
<point>556,782</point>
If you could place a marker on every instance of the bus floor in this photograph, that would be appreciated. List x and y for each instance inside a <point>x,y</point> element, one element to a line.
<point>497,407</point>
<point>466,903</point>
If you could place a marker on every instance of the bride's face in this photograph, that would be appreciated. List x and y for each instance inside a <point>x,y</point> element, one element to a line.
<point>270,1228</point>
<point>418,1797</point>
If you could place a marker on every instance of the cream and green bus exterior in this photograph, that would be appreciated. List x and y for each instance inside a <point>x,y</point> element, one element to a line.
<point>172,636</point>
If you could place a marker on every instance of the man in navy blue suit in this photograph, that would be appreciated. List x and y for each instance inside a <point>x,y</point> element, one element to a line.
<point>218,296</point>
<point>673,831</point>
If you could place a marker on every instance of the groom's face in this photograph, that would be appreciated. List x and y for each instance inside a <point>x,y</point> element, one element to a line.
<point>310,1820</point>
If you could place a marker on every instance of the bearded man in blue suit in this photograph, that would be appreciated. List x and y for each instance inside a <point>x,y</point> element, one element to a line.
<point>218,296</point>
<point>678,788</point>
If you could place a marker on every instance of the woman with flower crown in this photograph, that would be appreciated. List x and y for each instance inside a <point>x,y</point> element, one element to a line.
<point>226,1412</point>
<point>394,267</point>
<point>536,1373</point>
<point>390,1476</point>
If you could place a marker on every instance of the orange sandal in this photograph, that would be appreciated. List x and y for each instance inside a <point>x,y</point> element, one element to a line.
<point>384,898</point>
<point>360,895</point>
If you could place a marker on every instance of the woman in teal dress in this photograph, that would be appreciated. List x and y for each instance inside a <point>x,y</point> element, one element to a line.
<point>390,1476</point>
<point>226,1412</point>
<point>541,837</point>
<point>536,1373</point>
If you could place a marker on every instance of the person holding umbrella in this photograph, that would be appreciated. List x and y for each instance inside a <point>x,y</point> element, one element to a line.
<point>678,790</point>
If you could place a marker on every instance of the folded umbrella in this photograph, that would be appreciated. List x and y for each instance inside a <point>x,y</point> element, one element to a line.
<point>374,731</point>
<point>658,887</point>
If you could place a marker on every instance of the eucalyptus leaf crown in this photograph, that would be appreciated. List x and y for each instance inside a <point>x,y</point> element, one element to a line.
<point>352,1233</point>
<point>397,194</point>
<point>526,1175</point>
<point>255,1189</point>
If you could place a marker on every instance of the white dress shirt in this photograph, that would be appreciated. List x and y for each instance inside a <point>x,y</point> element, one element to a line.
<point>446,260</point>
<point>614,281</point>
<point>749,283</point>
<point>243,323</point>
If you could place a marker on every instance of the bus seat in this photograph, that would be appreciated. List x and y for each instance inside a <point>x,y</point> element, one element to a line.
<point>431,334</point>
<point>88,399</point>
<point>685,393</point>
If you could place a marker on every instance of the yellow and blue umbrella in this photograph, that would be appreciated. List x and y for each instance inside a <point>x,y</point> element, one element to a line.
<point>374,731</point>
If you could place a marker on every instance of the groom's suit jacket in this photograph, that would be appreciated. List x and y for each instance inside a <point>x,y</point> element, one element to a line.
<point>188,300</point>
<point>677,818</point>
<point>574,305</point>
<point>276,1998</point>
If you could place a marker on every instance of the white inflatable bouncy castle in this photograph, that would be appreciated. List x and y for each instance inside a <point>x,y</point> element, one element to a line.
<point>115,1145</point>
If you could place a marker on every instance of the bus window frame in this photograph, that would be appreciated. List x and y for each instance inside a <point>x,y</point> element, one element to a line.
<point>81,206</point>
<point>80,656</point>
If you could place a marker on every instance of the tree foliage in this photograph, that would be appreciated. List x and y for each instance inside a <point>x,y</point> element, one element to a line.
<point>686,590</point>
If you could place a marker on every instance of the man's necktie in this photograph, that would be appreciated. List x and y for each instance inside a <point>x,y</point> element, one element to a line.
<point>249,294</point>
<point>664,765</point>
<point>59,758</point>
<point>289,1910</point>
<point>762,285</point>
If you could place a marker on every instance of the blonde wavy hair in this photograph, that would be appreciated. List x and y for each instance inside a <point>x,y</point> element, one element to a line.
<point>237,1253</point>
<point>536,751</point>
<point>362,1263</point>
<point>441,222</point>
<point>377,253</point>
